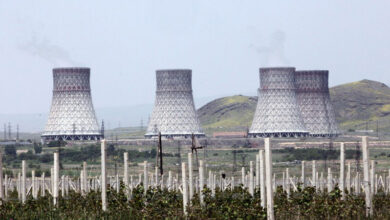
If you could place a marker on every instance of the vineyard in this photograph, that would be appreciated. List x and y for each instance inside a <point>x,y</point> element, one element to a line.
<point>228,204</point>
<point>199,191</point>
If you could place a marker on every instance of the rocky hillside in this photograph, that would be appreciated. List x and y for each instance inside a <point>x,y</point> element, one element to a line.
<point>356,104</point>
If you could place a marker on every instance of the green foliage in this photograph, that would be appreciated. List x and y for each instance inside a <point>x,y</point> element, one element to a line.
<point>10,150</point>
<point>58,143</point>
<point>37,148</point>
<point>163,204</point>
<point>292,154</point>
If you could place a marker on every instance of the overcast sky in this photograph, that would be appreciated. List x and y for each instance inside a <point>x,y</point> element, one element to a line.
<point>223,42</point>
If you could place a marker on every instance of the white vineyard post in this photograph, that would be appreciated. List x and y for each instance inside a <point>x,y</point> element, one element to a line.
<point>268,173</point>
<point>251,188</point>
<point>348,179</point>
<point>372,177</point>
<point>257,170</point>
<point>156,175</point>
<point>201,181</point>
<point>103,181</point>
<point>329,180</point>
<point>63,186</point>
<point>369,210</point>
<point>243,177</point>
<point>314,173</point>
<point>303,174</point>
<point>184,185</point>
<point>190,177</point>
<point>126,174</point>
<point>342,168</point>
<point>18,186</point>
<point>288,182</point>
<point>146,176</point>
<point>262,179</point>
<point>55,178</point>
<point>51,179</point>
<point>33,189</point>
<point>23,185</point>
<point>117,183</point>
<point>170,180</point>
<point>5,187</point>
<point>81,179</point>
<point>85,178</point>
<point>232,183</point>
<point>43,188</point>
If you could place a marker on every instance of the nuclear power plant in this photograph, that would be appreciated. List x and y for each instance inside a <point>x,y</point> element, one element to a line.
<point>174,113</point>
<point>72,116</point>
<point>314,102</point>
<point>290,104</point>
<point>293,104</point>
<point>277,113</point>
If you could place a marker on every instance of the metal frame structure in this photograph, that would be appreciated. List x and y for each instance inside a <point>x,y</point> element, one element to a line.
<point>174,113</point>
<point>315,104</point>
<point>72,115</point>
<point>277,112</point>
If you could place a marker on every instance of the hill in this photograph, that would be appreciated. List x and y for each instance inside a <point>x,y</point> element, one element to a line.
<point>228,113</point>
<point>357,105</point>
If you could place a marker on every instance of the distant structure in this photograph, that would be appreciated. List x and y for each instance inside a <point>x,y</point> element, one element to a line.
<point>9,131</point>
<point>314,103</point>
<point>174,113</point>
<point>17,132</point>
<point>5,131</point>
<point>277,112</point>
<point>230,134</point>
<point>72,116</point>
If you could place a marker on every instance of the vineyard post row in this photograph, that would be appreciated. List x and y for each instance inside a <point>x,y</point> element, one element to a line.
<point>266,180</point>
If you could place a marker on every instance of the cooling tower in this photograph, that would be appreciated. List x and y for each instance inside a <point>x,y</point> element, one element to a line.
<point>72,116</point>
<point>277,112</point>
<point>174,113</point>
<point>314,102</point>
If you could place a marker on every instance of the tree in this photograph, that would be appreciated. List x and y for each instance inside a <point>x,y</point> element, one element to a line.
<point>10,150</point>
<point>110,150</point>
<point>37,148</point>
<point>58,143</point>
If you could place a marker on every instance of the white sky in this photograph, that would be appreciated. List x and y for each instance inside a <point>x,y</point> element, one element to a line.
<point>224,43</point>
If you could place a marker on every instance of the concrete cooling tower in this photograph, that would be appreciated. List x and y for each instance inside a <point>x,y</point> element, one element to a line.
<point>277,112</point>
<point>314,102</point>
<point>72,116</point>
<point>174,113</point>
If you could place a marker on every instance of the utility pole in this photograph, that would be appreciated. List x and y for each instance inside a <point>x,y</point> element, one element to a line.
<point>160,153</point>
<point>234,160</point>
<point>5,131</point>
<point>102,130</point>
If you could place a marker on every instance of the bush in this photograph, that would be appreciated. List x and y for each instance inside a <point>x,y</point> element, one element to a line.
<point>37,148</point>
<point>58,143</point>
<point>10,150</point>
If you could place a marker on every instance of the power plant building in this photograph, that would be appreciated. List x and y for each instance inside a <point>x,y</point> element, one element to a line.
<point>174,113</point>
<point>277,113</point>
<point>315,104</point>
<point>72,115</point>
